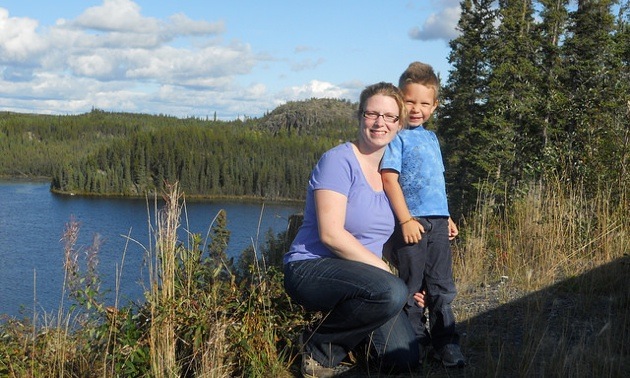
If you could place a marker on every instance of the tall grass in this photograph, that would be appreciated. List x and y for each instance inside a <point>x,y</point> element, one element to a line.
<point>543,288</point>
<point>204,320</point>
<point>551,233</point>
<point>535,261</point>
<point>162,298</point>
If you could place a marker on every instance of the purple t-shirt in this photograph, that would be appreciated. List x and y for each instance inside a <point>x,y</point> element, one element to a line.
<point>369,216</point>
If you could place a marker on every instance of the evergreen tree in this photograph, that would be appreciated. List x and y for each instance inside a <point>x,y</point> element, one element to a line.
<point>622,112</point>
<point>465,99</point>
<point>512,125</point>
<point>552,29</point>
<point>619,152</point>
<point>591,82</point>
<point>218,245</point>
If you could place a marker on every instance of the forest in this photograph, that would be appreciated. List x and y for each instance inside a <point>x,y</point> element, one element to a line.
<point>104,153</point>
<point>537,90</point>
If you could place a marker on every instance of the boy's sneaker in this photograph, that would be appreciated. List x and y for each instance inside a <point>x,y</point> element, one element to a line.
<point>313,369</point>
<point>451,356</point>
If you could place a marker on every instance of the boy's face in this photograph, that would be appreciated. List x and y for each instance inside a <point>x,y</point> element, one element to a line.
<point>420,101</point>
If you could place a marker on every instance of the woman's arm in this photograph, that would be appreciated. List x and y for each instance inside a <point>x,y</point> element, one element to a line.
<point>331,216</point>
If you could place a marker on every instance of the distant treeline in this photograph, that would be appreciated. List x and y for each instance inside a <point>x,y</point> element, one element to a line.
<point>102,153</point>
<point>209,161</point>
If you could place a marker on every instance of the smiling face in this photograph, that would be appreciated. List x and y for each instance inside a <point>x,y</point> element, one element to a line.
<point>420,101</point>
<point>377,133</point>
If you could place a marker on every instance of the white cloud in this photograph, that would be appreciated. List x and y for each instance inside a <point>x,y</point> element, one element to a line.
<point>91,65</point>
<point>106,53</point>
<point>19,41</point>
<point>182,25</point>
<point>196,68</point>
<point>119,24</point>
<point>116,57</point>
<point>256,91</point>
<point>315,88</point>
<point>441,25</point>
<point>251,101</point>
<point>116,15</point>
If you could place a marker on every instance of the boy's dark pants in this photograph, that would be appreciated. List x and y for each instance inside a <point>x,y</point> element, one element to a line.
<point>428,265</point>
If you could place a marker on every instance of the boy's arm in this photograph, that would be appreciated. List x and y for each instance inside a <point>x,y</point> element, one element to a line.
<point>412,230</point>
<point>452,229</point>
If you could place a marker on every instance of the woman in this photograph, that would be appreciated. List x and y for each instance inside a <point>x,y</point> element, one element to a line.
<point>335,263</point>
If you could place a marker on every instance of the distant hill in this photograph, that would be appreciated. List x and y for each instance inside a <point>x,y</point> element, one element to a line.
<point>310,117</point>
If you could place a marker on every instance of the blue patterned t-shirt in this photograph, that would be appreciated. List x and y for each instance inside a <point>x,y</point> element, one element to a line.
<point>415,155</point>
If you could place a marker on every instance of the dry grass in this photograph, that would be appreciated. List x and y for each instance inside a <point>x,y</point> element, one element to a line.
<point>544,287</point>
<point>162,340</point>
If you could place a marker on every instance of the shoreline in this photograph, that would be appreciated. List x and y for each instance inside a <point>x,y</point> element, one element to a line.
<point>187,198</point>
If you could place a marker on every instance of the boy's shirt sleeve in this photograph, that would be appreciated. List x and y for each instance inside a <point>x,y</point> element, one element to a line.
<point>392,158</point>
<point>438,149</point>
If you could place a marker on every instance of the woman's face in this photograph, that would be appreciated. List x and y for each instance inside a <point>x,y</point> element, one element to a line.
<point>377,133</point>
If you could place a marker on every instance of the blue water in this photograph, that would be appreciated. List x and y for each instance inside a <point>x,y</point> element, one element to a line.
<point>32,222</point>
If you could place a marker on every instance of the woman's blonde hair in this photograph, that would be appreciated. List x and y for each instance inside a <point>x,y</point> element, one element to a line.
<point>384,89</point>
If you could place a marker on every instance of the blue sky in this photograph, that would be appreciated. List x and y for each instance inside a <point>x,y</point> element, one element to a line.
<point>194,58</point>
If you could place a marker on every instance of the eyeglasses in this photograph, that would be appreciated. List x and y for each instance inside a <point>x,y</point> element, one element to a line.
<point>386,117</point>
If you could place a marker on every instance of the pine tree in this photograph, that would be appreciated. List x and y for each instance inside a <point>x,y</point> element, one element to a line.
<point>464,99</point>
<point>591,82</point>
<point>512,125</point>
<point>617,152</point>
<point>552,29</point>
<point>218,245</point>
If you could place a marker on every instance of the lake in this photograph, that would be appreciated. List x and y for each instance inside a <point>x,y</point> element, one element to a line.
<point>32,222</point>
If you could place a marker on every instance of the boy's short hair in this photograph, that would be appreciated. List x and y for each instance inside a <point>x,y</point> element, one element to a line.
<point>420,73</point>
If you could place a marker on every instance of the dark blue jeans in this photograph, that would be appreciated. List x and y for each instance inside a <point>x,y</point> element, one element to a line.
<point>360,303</point>
<point>428,265</point>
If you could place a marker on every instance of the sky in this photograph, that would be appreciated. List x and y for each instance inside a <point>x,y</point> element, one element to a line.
<point>198,58</point>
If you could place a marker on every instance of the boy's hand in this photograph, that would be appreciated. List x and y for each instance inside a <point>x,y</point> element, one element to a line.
<point>412,231</point>
<point>452,229</point>
<point>420,298</point>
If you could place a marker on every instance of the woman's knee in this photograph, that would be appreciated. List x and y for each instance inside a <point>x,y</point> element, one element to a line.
<point>397,294</point>
<point>395,344</point>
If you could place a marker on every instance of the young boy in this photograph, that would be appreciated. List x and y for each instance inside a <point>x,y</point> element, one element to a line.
<point>413,177</point>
